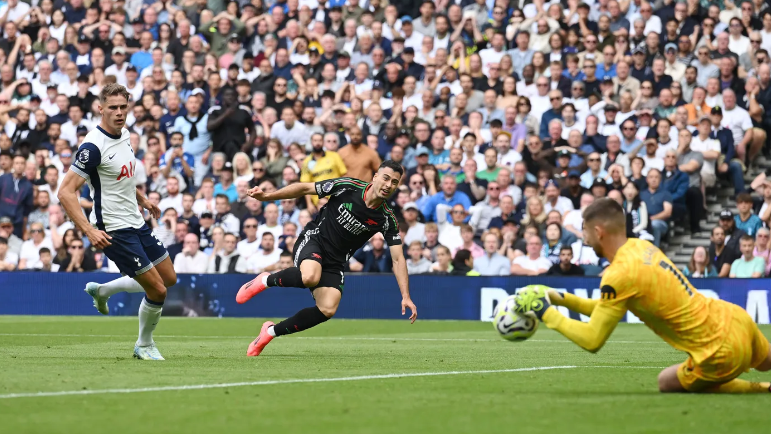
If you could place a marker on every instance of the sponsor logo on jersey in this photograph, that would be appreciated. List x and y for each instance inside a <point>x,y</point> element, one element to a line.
<point>126,171</point>
<point>371,222</point>
<point>316,255</point>
<point>348,206</point>
<point>327,187</point>
<point>349,222</point>
<point>607,293</point>
<point>84,154</point>
<point>397,237</point>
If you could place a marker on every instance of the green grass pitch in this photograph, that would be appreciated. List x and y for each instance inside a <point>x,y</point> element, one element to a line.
<point>362,362</point>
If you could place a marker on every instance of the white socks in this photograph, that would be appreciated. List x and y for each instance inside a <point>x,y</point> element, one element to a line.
<point>265,280</point>
<point>149,315</point>
<point>121,284</point>
<point>271,331</point>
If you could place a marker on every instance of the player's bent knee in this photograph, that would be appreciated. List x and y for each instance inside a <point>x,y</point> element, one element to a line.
<point>668,381</point>
<point>311,280</point>
<point>328,311</point>
<point>157,293</point>
<point>765,365</point>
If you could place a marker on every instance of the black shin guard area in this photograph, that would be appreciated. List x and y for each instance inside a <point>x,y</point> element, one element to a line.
<point>302,320</point>
<point>289,278</point>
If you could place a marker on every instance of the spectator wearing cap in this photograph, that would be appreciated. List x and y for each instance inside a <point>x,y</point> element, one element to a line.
<point>673,67</point>
<point>225,185</point>
<point>553,199</point>
<point>6,231</point>
<point>16,196</point>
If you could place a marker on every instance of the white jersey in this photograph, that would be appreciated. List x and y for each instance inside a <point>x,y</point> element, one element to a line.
<point>107,162</point>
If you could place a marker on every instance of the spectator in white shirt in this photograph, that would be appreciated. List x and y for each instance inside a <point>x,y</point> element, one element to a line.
<point>416,229</point>
<point>29,258</point>
<point>174,198</point>
<point>8,260</point>
<point>554,201</point>
<point>206,202</point>
<point>191,260</point>
<point>224,217</point>
<point>709,148</point>
<point>271,222</point>
<point>251,244</point>
<point>449,232</point>
<point>267,258</point>
<point>532,264</point>
<point>288,130</point>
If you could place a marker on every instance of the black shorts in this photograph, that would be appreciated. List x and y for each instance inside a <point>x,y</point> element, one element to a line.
<point>309,247</point>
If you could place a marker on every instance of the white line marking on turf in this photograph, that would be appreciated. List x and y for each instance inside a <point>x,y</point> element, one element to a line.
<point>297,380</point>
<point>329,338</point>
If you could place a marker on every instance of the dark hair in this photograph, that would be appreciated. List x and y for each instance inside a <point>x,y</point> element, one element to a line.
<point>495,123</point>
<point>746,237</point>
<point>636,201</point>
<point>222,196</point>
<point>608,211</point>
<point>393,165</point>
<point>175,133</point>
<point>44,250</point>
<point>461,256</point>
<point>743,198</point>
<point>285,253</point>
<point>3,240</point>
<point>566,247</point>
<point>268,233</point>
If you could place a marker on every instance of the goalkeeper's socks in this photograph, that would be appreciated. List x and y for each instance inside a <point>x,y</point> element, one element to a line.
<point>288,278</point>
<point>302,320</point>
<point>121,284</point>
<point>741,386</point>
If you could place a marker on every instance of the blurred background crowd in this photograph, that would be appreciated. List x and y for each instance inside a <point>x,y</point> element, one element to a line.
<point>509,117</point>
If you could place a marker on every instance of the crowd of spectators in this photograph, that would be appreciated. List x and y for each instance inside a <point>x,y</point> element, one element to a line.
<point>509,117</point>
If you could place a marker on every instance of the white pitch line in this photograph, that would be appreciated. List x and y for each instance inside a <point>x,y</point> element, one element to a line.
<point>326,338</point>
<point>295,380</point>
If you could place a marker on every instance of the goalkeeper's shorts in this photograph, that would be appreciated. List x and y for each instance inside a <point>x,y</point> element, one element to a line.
<point>744,348</point>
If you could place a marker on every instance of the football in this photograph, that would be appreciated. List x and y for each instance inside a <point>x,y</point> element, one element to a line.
<point>511,325</point>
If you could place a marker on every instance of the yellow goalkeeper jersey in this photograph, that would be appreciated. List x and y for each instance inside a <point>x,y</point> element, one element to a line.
<point>643,280</point>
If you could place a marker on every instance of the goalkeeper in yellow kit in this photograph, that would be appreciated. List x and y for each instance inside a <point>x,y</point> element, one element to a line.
<point>721,339</point>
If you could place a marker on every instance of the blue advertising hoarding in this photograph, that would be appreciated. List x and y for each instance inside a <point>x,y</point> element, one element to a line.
<point>365,296</point>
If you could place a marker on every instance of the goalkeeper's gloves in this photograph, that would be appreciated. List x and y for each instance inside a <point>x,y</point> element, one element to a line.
<point>532,302</point>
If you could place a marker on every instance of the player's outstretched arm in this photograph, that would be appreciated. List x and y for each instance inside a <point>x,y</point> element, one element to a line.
<point>590,336</point>
<point>69,200</point>
<point>292,191</point>
<point>581,305</point>
<point>403,280</point>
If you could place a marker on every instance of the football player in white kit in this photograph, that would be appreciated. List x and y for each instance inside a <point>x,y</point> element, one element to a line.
<point>106,161</point>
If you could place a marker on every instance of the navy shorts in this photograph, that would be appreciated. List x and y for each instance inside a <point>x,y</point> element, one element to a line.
<point>135,251</point>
